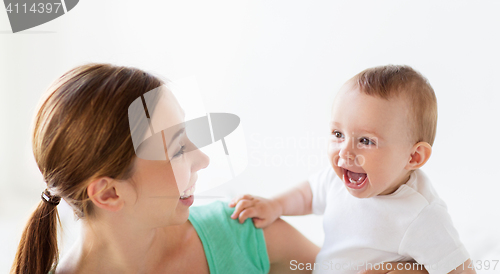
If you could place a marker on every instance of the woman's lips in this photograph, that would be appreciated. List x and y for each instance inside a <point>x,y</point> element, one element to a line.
<point>187,201</point>
<point>187,197</point>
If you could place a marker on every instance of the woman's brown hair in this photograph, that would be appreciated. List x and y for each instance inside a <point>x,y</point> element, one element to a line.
<point>81,132</point>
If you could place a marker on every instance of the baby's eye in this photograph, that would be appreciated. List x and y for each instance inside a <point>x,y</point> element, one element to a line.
<point>366,141</point>
<point>338,134</point>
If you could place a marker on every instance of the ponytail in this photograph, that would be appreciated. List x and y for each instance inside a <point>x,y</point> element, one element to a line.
<point>78,137</point>
<point>37,252</point>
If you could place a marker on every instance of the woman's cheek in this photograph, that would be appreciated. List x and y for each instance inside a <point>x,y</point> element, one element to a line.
<point>181,176</point>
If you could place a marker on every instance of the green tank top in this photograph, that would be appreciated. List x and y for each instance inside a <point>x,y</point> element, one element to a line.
<point>230,247</point>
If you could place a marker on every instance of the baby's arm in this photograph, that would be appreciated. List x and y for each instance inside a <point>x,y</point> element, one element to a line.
<point>297,201</point>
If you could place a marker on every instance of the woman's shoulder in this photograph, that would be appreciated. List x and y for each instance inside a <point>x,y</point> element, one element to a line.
<point>216,218</point>
<point>214,222</point>
<point>228,244</point>
<point>216,211</point>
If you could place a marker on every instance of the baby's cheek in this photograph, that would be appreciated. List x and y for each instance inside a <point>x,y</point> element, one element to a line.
<point>360,160</point>
<point>333,149</point>
<point>366,158</point>
<point>376,165</point>
<point>333,155</point>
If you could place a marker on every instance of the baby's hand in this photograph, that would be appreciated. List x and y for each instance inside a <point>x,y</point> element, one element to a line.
<point>262,211</point>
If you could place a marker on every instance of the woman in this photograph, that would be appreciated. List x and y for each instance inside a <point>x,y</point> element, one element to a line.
<point>134,219</point>
<point>82,145</point>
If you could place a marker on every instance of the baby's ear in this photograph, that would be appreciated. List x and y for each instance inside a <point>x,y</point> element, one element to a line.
<point>421,152</point>
<point>104,194</point>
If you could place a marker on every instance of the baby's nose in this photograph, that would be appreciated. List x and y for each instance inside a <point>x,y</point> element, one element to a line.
<point>343,162</point>
<point>346,154</point>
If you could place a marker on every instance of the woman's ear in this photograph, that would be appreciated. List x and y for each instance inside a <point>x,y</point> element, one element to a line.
<point>421,152</point>
<point>104,194</point>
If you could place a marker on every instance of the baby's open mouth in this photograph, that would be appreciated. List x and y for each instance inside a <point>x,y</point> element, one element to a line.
<point>355,178</point>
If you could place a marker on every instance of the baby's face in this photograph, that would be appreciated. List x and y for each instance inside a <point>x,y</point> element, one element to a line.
<point>369,146</point>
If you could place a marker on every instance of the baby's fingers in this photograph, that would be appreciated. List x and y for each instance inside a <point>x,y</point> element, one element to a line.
<point>241,197</point>
<point>261,223</point>
<point>240,206</point>
<point>247,213</point>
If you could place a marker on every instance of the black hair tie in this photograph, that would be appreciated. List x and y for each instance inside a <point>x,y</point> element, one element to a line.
<point>48,198</point>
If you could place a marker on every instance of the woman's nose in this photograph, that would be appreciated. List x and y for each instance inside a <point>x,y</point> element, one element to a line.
<point>200,160</point>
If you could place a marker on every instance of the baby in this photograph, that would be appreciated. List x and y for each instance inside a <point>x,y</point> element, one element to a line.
<point>379,205</point>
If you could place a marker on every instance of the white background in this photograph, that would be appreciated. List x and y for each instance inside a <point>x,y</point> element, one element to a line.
<point>277,65</point>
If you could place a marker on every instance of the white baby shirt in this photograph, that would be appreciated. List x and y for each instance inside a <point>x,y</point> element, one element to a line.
<point>411,223</point>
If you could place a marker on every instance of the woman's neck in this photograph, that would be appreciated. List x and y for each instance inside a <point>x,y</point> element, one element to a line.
<point>113,247</point>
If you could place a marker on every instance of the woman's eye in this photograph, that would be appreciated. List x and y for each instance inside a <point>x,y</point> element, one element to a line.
<point>337,134</point>
<point>366,141</point>
<point>179,153</point>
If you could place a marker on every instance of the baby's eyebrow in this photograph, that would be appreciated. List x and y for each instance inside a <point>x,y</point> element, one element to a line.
<point>371,132</point>
<point>334,124</point>
<point>362,131</point>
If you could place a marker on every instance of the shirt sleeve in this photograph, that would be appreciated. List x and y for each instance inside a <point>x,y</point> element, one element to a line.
<point>250,239</point>
<point>230,247</point>
<point>433,242</point>
<point>320,183</point>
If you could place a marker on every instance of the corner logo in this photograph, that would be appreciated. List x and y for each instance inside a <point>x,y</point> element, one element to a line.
<point>26,14</point>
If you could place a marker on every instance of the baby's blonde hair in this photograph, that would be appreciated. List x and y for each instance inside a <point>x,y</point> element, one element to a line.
<point>393,81</point>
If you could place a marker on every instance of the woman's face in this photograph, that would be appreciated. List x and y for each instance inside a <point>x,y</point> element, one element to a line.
<point>159,184</point>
